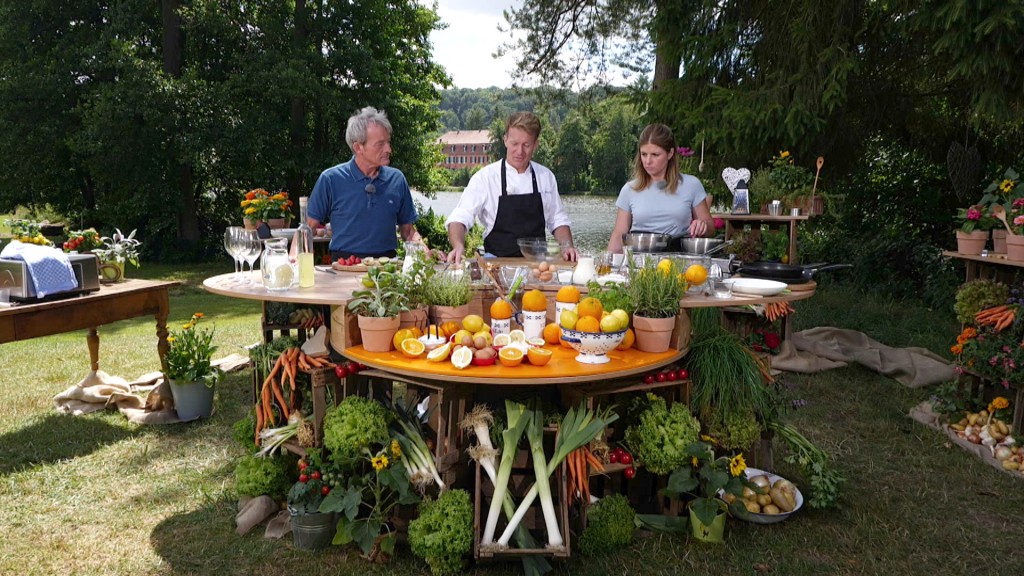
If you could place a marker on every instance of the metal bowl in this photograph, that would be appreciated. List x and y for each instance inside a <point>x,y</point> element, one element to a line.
<point>700,245</point>
<point>646,241</point>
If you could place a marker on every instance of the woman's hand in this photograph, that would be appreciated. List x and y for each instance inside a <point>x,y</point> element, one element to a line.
<point>698,228</point>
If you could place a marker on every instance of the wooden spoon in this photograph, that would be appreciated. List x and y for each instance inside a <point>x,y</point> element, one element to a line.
<point>820,163</point>
<point>1000,212</point>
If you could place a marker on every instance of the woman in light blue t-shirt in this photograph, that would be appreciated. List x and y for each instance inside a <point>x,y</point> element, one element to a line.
<point>659,199</point>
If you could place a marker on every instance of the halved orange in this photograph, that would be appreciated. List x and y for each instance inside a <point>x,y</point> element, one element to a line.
<point>539,356</point>
<point>412,347</point>
<point>400,336</point>
<point>510,356</point>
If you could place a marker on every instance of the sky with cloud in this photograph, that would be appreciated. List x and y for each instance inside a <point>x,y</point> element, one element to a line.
<point>466,46</point>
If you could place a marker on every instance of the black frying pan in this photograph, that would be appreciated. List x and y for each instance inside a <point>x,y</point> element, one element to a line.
<point>792,273</point>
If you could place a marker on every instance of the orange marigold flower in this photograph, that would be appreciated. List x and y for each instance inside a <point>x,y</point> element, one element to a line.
<point>956,349</point>
<point>1000,403</point>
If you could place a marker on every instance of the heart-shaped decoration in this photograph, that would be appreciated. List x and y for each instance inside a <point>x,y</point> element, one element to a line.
<point>732,176</point>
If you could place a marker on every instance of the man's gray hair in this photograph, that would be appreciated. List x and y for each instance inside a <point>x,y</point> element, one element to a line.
<point>360,121</point>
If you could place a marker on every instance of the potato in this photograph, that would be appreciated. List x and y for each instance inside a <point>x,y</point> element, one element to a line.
<point>770,509</point>
<point>764,499</point>
<point>752,506</point>
<point>783,496</point>
<point>748,493</point>
<point>763,483</point>
<point>729,498</point>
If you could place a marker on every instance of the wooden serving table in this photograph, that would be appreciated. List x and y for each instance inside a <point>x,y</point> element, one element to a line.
<point>111,303</point>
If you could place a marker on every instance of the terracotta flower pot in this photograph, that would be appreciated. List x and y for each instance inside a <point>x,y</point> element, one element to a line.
<point>378,332</point>
<point>276,223</point>
<point>1015,247</point>
<point>971,243</point>
<point>442,314</point>
<point>250,224</point>
<point>653,334</point>
<point>999,241</point>
<point>411,318</point>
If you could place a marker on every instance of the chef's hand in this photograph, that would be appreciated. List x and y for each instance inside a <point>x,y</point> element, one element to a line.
<point>697,228</point>
<point>569,254</point>
<point>455,256</point>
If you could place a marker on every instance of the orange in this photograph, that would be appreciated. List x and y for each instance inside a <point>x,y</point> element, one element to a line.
<point>589,306</point>
<point>401,336</point>
<point>412,348</point>
<point>564,343</point>
<point>435,330</point>
<point>627,340</point>
<point>450,328</point>
<point>535,301</point>
<point>588,324</point>
<point>552,333</point>
<point>416,331</point>
<point>569,294</point>
<point>696,274</point>
<point>501,309</point>
<point>538,356</point>
<point>510,356</point>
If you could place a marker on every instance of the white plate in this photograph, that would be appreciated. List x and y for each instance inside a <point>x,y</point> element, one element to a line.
<point>616,278</point>
<point>758,287</point>
<point>283,232</point>
<point>770,518</point>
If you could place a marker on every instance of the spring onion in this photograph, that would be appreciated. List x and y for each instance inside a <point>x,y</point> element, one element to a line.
<point>419,462</point>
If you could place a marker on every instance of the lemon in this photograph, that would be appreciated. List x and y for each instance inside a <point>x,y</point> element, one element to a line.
<point>536,342</point>
<point>462,357</point>
<point>517,337</point>
<point>567,319</point>
<point>474,323</point>
<point>665,266</point>
<point>623,317</point>
<point>281,276</point>
<point>696,274</point>
<point>440,353</point>
<point>502,340</point>
<point>610,324</point>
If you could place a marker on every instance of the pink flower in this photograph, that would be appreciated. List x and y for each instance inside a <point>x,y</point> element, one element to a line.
<point>1018,203</point>
<point>1019,220</point>
<point>684,151</point>
<point>1006,348</point>
<point>1006,384</point>
<point>973,214</point>
<point>719,223</point>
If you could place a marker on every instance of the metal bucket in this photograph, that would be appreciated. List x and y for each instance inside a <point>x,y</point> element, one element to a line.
<point>313,531</point>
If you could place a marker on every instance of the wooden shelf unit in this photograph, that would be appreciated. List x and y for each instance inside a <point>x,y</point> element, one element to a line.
<point>734,222</point>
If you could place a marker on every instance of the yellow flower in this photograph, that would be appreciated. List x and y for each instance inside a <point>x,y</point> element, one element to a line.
<point>784,154</point>
<point>694,461</point>
<point>250,211</point>
<point>379,462</point>
<point>170,338</point>
<point>999,403</point>
<point>1006,186</point>
<point>737,465</point>
<point>396,449</point>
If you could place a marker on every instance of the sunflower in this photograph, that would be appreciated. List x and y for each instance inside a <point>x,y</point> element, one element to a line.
<point>379,462</point>
<point>737,465</point>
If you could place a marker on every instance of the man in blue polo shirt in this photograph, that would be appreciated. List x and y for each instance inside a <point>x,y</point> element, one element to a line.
<point>364,198</point>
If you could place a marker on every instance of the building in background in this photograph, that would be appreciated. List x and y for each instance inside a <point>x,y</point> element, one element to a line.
<point>465,148</point>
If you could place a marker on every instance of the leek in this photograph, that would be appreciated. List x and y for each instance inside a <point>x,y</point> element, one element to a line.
<point>578,428</point>
<point>518,420</point>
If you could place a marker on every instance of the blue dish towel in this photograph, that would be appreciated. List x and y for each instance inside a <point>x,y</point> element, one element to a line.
<point>49,269</point>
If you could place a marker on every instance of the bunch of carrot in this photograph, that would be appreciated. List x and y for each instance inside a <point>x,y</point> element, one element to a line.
<point>579,461</point>
<point>288,364</point>
<point>999,317</point>
<point>775,310</point>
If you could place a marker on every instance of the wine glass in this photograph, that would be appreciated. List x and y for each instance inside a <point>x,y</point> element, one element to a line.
<point>233,245</point>
<point>253,249</point>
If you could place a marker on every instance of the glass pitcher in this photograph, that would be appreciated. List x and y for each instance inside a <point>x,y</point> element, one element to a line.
<point>278,270</point>
<point>411,249</point>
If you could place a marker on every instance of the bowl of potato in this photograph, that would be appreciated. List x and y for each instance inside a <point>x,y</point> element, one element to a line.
<point>774,499</point>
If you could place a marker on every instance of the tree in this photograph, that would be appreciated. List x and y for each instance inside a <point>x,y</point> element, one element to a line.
<point>571,162</point>
<point>613,145</point>
<point>476,118</point>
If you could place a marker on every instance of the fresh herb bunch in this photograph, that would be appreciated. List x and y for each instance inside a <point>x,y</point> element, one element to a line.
<point>610,524</point>
<point>727,378</point>
<point>613,296</point>
<point>655,292</point>
<point>189,355</point>
<point>384,297</point>
<point>976,295</point>
<point>415,280</point>
<point>449,289</point>
<point>442,534</point>
<point>815,465</point>
<point>659,437</point>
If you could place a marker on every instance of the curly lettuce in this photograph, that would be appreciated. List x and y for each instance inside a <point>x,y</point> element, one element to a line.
<point>443,533</point>
<point>659,438</point>
<point>354,425</point>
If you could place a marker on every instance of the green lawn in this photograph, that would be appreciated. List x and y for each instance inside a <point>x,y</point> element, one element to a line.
<point>96,495</point>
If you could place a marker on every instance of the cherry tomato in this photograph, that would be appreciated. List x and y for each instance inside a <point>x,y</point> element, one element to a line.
<point>683,374</point>
<point>648,378</point>
<point>619,450</point>
<point>316,475</point>
<point>303,478</point>
<point>303,465</point>
<point>357,260</point>
<point>613,458</point>
<point>325,490</point>
<point>661,377</point>
<point>629,473</point>
<point>626,458</point>
<point>670,376</point>
<point>340,371</point>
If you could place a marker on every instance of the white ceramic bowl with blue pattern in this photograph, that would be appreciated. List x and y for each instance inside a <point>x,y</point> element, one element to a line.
<point>593,347</point>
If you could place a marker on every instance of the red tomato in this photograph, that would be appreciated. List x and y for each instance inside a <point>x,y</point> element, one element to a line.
<point>626,458</point>
<point>325,490</point>
<point>619,450</point>
<point>648,378</point>
<point>303,465</point>
<point>629,473</point>
<point>315,475</point>
<point>303,478</point>
<point>661,377</point>
<point>683,374</point>
<point>340,371</point>
<point>670,376</point>
<point>613,458</point>
<point>357,260</point>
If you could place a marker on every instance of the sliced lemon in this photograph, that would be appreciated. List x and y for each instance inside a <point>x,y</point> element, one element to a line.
<point>413,348</point>
<point>503,340</point>
<point>536,341</point>
<point>281,276</point>
<point>440,353</point>
<point>462,357</point>
<point>517,336</point>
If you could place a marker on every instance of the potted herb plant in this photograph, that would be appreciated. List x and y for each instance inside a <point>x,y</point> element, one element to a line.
<point>449,294</point>
<point>116,250</point>
<point>1015,241</point>
<point>970,237</point>
<point>189,373</point>
<point>703,476</point>
<point>416,274</point>
<point>655,294</point>
<point>378,307</point>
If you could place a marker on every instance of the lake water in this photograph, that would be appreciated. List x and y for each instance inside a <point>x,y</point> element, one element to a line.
<point>593,217</point>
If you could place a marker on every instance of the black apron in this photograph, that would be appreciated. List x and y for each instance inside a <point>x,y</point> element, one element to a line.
<point>518,216</point>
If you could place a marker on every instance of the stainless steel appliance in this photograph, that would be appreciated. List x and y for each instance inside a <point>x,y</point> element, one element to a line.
<point>14,275</point>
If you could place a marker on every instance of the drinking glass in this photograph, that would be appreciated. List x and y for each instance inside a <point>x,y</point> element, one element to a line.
<point>253,249</point>
<point>233,244</point>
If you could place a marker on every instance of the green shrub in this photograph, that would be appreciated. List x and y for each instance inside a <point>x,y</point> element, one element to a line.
<point>610,524</point>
